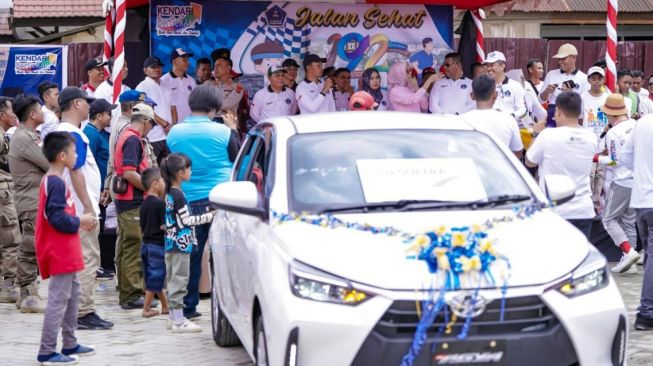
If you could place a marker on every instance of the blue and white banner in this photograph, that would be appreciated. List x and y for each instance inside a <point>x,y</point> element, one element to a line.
<point>23,68</point>
<point>262,34</point>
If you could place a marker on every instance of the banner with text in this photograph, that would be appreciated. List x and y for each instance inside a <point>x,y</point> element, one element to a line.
<point>263,34</point>
<point>23,68</point>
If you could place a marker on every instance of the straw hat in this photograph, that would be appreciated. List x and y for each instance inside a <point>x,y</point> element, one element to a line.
<point>615,105</point>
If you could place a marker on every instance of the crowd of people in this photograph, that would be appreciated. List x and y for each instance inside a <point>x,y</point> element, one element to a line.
<point>111,184</point>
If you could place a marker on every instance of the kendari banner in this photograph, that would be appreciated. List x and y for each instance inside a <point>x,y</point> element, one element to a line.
<point>263,34</point>
<point>23,68</point>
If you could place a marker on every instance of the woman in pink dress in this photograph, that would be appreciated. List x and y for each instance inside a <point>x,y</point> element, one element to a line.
<point>403,97</point>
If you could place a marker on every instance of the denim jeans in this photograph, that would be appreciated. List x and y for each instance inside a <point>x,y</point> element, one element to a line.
<point>192,297</point>
<point>645,226</point>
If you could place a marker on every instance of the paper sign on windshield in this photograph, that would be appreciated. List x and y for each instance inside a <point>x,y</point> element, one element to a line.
<point>446,179</point>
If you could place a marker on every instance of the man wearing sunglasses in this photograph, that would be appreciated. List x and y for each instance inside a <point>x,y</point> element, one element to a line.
<point>452,95</point>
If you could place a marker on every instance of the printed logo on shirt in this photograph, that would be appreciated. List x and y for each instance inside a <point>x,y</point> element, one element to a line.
<point>43,64</point>
<point>178,20</point>
<point>190,88</point>
<point>288,101</point>
<point>463,86</point>
<point>507,93</point>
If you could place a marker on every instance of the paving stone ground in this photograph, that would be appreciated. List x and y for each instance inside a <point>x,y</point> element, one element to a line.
<point>143,342</point>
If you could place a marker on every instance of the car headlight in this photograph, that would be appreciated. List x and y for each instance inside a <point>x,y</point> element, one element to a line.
<point>312,284</point>
<point>589,276</point>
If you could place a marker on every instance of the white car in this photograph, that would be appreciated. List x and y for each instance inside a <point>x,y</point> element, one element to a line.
<point>295,293</point>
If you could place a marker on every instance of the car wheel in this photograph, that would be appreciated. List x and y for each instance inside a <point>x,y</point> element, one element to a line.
<point>261,346</point>
<point>223,334</point>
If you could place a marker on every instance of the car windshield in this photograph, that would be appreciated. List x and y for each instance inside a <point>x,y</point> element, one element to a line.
<point>399,169</point>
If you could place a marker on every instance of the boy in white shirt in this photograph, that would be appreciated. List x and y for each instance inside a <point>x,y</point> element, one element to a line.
<point>567,149</point>
<point>619,219</point>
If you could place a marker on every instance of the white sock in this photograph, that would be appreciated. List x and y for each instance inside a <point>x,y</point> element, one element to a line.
<point>177,316</point>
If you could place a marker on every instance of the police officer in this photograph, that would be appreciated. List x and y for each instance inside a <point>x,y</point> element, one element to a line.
<point>9,229</point>
<point>275,100</point>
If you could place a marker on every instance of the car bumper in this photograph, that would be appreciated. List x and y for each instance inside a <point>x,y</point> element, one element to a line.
<point>581,330</point>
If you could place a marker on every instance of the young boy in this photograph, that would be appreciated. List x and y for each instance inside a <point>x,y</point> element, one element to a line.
<point>152,215</point>
<point>59,253</point>
<point>593,117</point>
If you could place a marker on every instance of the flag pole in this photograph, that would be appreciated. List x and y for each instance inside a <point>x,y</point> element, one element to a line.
<point>119,48</point>
<point>478,15</point>
<point>611,51</point>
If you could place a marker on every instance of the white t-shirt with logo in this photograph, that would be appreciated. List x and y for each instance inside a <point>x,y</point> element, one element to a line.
<point>614,140</point>
<point>161,97</point>
<point>499,124</point>
<point>593,117</point>
<point>558,77</point>
<point>179,89</point>
<point>450,96</point>
<point>567,151</point>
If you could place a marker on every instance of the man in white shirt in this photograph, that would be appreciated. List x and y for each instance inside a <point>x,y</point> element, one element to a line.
<point>276,99</point>
<point>105,90</point>
<point>618,218</point>
<point>315,95</point>
<point>151,86</point>
<point>637,155</point>
<point>638,82</point>
<point>85,180</point>
<point>510,94</point>
<point>179,85</point>
<point>94,68</point>
<point>453,94</point>
<point>343,90</point>
<point>567,150</point>
<point>486,119</point>
<point>566,78</point>
<point>49,93</point>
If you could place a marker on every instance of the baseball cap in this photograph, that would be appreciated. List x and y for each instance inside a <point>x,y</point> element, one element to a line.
<point>565,50</point>
<point>152,61</point>
<point>311,57</point>
<point>361,101</point>
<point>276,70</point>
<point>71,93</point>
<point>595,70</point>
<point>100,105</point>
<point>142,109</point>
<point>290,62</point>
<point>93,63</point>
<point>135,96</point>
<point>178,52</point>
<point>615,105</point>
<point>494,56</point>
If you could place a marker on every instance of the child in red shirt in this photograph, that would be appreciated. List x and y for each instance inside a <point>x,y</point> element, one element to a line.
<point>59,253</point>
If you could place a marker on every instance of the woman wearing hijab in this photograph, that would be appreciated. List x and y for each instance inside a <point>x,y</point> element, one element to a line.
<point>402,96</point>
<point>372,85</point>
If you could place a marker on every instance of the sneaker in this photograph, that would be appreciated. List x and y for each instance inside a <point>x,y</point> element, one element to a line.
<point>92,322</point>
<point>104,274</point>
<point>56,359</point>
<point>632,270</point>
<point>642,254</point>
<point>97,317</point>
<point>78,350</point>
<point>186,327</point>
<point>8,292</point>
<point>642,323</point>
<point>627,260</point>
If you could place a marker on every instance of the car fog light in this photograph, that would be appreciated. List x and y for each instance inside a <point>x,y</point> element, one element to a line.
<point>592,281</point>
<point>309,283</point>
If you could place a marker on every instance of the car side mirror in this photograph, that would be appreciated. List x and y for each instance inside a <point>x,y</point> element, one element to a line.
<point>559,188</point>
<point>240,197</point>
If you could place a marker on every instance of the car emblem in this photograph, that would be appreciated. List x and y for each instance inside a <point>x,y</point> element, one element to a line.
<point>465,304</point>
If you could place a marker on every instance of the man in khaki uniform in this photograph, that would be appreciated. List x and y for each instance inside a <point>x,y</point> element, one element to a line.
<point>27,165</point>
<point>9,228</point>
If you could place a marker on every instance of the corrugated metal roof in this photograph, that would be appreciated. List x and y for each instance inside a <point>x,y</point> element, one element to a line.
<point>625,6</point>
<point>57,8</point>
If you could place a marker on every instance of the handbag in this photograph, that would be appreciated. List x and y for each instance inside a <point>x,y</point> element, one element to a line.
<point>119,184</point>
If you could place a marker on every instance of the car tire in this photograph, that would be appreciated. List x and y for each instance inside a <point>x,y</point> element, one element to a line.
<point>223,334</point>
<point>260,344</point>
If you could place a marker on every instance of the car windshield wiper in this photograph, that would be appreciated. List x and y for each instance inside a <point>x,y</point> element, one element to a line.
<point>410,205</point>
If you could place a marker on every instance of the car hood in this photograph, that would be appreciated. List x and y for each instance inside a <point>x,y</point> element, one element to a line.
<point>541,248</point>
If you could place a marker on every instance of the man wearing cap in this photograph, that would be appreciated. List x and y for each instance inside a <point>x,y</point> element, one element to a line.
<point>618,218</point>
<point>362,101</point>
<point>86,182</point>
<point>151,86</point>
<point>510,94</point>
<point>105,90</point>
<point>276,99</point>
<point>232,92</point>
<point>49,93</point>
<point>9,226</point>
<point>315,95</point>
<point>292,67</point>
<point>179,85</point>
<point>566,78</point>
<point>453,94</point>
<point>95,70</point>
<point>27,165</point>
<point>130,161</point>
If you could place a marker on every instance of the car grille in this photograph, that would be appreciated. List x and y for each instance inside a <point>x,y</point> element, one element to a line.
<point>521,314</point>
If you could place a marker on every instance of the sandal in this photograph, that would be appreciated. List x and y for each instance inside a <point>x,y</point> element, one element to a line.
<point>150,313</point>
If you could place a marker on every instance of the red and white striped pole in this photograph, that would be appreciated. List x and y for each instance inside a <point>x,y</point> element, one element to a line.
<point>611,52</point>
<point>119,49</point>
<point>110,14</point>
<point>478,15</point>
